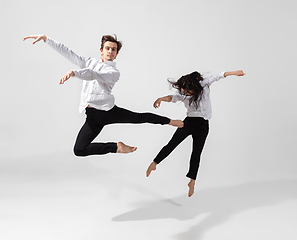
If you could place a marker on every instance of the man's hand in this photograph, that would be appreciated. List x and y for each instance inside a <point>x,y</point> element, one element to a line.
<point>37,38</point>
<point>66,77</point>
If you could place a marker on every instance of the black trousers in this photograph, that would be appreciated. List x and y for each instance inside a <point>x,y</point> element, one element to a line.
<point>97,119</point>
<point>198,128</point>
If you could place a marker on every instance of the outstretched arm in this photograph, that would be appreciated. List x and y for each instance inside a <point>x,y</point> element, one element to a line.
<point>236,73</point>
<point>157,103</point>
<point>80,61</point>
<point>107,77</point>
<point>216,77</point>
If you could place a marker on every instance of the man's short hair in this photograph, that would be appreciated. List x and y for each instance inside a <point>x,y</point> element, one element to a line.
<point>109,38</point>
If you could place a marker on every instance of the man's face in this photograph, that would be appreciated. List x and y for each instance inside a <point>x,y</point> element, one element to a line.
<point>109,51</point>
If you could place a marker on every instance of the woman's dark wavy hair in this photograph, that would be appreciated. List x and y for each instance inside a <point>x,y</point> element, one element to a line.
<point>190,83</point>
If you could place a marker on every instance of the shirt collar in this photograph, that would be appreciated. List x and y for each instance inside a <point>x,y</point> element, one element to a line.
<point>108,62</point>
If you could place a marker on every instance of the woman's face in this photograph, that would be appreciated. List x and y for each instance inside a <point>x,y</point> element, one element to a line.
<point>187,92</point>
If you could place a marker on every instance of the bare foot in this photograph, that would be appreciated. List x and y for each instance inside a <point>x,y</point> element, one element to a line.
<point>191,185</point>
<point>123,148</point>
<point>176,123</point>
<point>151,167</point>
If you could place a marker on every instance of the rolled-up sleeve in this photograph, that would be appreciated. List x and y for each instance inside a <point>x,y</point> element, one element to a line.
<point>176,97</point>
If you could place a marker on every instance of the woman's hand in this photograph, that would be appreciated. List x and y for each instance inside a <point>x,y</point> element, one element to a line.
<point>239,73</point>
<point>236,73</point>
<point>37,38</point>
<point>157,103</point>
<point>66,77</point>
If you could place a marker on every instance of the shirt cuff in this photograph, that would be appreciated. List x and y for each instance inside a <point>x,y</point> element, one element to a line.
<point>75,72</point>
<point>48,41</point>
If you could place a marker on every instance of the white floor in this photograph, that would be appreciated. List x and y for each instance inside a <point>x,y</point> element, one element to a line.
<point>64,197</point>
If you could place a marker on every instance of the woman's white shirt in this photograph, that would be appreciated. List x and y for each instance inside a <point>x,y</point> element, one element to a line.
<point>204,109</point>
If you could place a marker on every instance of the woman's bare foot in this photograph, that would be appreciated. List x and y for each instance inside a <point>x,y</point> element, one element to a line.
<point>191,185</point>
<point>123,148</point>
<point>176,123</point>
<point>151,167</point>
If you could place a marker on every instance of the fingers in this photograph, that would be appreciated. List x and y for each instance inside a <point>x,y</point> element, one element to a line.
<point>241,73</point>
<point>36,37</point>
<point>157,104</point>
<point>27,37</point>
<point>64,79</point>
<point>32,36</point>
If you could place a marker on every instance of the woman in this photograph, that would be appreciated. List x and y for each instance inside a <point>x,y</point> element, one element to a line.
<point>194,91</point>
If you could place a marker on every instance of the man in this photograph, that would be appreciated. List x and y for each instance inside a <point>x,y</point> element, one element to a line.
<point>99,78</point>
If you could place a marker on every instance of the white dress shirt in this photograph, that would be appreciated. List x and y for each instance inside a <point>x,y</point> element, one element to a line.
<point>98,78</point>
<point>204,108</point>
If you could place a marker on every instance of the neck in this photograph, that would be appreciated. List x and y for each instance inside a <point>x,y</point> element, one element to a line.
<point>105,60</point>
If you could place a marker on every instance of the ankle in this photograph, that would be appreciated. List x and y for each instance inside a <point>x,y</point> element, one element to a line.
<point>192,182</point>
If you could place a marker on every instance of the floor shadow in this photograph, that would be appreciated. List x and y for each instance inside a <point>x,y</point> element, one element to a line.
<point>215,205</point>
<point>219,203</point>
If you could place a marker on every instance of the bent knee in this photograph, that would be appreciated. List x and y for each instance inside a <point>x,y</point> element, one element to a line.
<point>79,152</point>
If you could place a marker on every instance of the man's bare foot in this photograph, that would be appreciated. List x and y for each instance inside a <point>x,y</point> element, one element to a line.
<point>176,123</point>
<point>123,148</point>
<point>191,185</point>
<point>151,167</point>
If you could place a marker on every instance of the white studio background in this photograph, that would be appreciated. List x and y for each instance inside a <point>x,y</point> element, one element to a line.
<point>252,132</point>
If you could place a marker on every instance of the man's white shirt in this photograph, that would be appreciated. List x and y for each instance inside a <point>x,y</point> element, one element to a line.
<point>98,78</point>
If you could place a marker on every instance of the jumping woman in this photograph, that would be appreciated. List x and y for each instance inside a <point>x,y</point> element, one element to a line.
<point>193,91</point>
<point>99,78</point>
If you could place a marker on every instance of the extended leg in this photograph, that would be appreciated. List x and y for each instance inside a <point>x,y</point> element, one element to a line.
<point>179,135</point>
<point>121,115</point>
